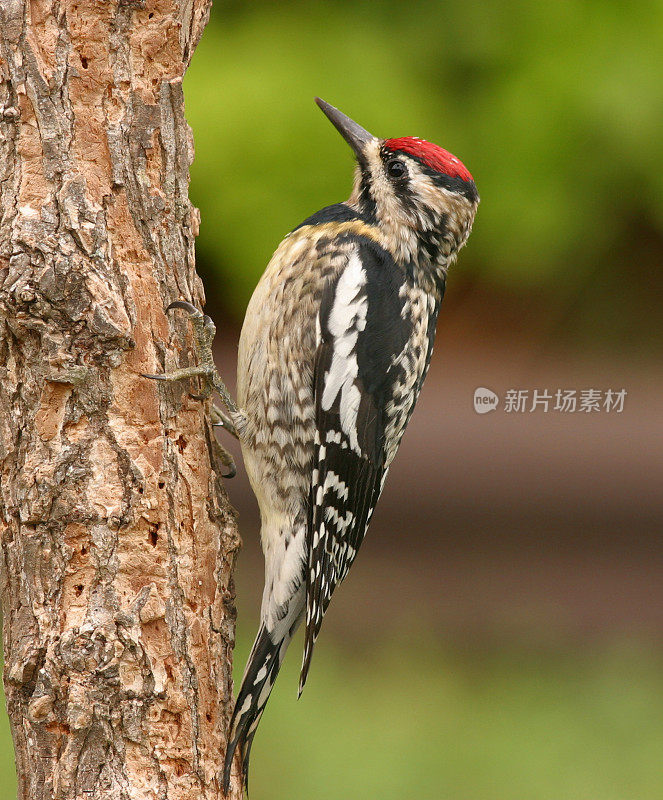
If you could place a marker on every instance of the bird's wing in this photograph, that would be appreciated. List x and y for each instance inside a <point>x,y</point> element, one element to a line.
<point>362,334</point>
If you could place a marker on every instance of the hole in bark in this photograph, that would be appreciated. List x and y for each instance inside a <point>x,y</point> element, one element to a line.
<point>58,728</point>
<point>150,15</point>
<point>140,490</point>
<point>161,484</point>
<point>84,62</point>
<point>181,443</point>
<point>208,717</point>
<point>79,589</point>
<point>154,534</point>
<point>83,550</point>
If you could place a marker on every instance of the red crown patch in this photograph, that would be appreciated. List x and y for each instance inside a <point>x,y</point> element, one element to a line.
<point>435,157</point>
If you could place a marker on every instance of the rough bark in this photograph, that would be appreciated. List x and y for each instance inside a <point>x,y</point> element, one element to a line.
<point>118,542</point>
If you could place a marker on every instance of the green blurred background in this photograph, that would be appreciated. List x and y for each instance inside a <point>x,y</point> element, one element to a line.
<point>557,108</point>
<point>501,635</point>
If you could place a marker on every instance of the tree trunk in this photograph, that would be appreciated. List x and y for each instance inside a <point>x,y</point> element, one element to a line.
<point>118,542</point>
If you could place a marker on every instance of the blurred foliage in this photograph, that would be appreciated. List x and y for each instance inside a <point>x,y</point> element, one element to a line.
<point>557,109</point>
<point>416,720</point>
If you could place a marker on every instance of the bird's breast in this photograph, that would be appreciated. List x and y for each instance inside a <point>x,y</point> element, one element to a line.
<point>275,369</point>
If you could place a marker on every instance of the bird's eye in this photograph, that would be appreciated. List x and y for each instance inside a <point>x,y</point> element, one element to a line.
<point>396,168</point>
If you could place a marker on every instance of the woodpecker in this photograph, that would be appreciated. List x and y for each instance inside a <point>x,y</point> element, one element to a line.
<point>334,349</point>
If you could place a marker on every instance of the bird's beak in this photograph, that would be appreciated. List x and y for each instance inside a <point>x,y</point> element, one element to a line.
<point>353,134</point>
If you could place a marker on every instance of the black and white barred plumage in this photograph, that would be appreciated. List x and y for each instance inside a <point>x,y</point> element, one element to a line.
<point>363,362</point>
<point>334,350</point>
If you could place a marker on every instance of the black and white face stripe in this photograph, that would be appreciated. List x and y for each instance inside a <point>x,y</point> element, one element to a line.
<point>424,215</point>
<point>451,183</point>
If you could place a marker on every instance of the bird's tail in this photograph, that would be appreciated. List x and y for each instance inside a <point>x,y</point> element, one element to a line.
<point>259,678</point>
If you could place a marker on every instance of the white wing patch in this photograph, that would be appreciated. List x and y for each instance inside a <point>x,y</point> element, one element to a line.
<point>347,319</point>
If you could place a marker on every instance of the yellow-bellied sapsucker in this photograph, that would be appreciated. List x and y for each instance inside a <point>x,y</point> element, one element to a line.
<point>334,350</point>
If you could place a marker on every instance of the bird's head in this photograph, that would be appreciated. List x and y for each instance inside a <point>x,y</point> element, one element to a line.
<point>422,197</point>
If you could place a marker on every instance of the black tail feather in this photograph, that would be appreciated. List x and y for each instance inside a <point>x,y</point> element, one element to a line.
<point>259,678</point>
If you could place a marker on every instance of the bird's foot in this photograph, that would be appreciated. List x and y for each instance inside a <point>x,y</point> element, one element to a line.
<point>221,420</point>
<point>226,459</point>
<point>204,331</point>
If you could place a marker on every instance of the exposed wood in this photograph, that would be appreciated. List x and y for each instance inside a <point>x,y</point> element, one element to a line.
<point>118,542</point>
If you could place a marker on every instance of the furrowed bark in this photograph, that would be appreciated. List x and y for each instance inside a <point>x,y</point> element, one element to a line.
<point>118,542</point>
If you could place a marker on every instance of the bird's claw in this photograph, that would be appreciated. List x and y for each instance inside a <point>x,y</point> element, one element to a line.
<point>204,331</point>
<point>228,461</point>
<point>180,375</point>
<point>186,306</point>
